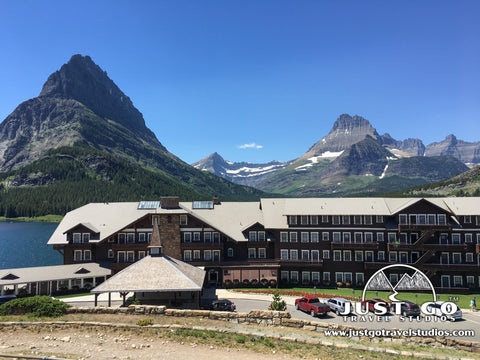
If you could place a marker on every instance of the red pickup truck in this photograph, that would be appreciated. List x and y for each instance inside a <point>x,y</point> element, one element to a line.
<point>312,305</point>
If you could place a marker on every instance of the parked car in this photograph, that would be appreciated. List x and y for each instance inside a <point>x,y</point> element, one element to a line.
<point>338,304</point>
<point>222,305</point>
<point>370,304</point>
<point>4,299</point>
<point>436,309</point>
<point>312,305</point>
<point>409,308</point>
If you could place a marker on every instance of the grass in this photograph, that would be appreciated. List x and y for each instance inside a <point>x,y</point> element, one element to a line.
<point>463,301</point>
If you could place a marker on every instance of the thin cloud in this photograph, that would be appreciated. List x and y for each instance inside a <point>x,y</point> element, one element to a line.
<point>250,146</point>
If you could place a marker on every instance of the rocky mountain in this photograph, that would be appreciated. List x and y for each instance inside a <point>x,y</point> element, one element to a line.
<point>243,173</point>
<point>81,107</point>
<point>467,152</point>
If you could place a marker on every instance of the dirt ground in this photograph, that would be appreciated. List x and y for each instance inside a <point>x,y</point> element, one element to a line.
<point>84,344</point>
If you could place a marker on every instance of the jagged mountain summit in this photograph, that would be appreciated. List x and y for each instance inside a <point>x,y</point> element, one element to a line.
<point>80,107</point>
<point>467,152</point>
<point>243,173</point>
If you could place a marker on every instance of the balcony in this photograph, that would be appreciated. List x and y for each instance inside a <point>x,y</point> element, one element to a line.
<point>424,227</point>
<point>370,265</point>
<point>463,268</point>
<point>354,246</point>
<point>446,247</point>
<point>201,246</point>
<point>130,246</point>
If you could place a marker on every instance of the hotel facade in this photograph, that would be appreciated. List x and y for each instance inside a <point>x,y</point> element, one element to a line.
<point>301,241</point>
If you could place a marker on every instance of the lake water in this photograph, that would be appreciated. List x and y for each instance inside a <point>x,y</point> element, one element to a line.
<point>24,244</point>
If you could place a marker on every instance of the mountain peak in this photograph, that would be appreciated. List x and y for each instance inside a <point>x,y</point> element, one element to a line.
<point>82,80</point>
<point>347,122</point>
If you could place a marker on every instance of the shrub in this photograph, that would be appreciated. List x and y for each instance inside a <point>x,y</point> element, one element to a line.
<point>36,305</point>
<point>278,303</point>
<point>145,322</point>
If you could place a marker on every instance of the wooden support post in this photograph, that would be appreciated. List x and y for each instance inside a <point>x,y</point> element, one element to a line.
<point>96,300</point>
<point>109,299</point>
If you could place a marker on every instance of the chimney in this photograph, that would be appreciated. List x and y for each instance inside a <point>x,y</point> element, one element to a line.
<point>169,202</point>
<point>215,200</point>
<point>155,242</point>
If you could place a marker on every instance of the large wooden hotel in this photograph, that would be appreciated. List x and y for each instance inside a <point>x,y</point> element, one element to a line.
<point>318,241</point>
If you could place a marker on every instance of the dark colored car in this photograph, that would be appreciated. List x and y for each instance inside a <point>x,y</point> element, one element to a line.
<point>409,308</point>
<point>370,304</point>
<point>222,305</point>
<point>4,299</point>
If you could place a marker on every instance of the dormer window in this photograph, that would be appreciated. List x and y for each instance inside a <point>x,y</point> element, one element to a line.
<point>292,220</point>
<point>85,237</point>
<point>77,238</point>
<point>183,219</point>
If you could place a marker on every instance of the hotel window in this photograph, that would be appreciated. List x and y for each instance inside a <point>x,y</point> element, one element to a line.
<point>368,219</point>
<point>346,219</point>
<point>187,255</point>
<point>230,252</point>
<point>369,256</point>
<point>358,255</point>
<point>304,237</point>
<point>292,220</point>
<point>155,220</point>
<point>196,254</point>
<point>130,238</point>
<point>315,276</point>
<point>196,236</point>
<point>347,237</point>
<point>141,237</point>
<point>314,237</point>
<point>394,278</point>
<point>293,254</point>
<point>130,256</point>
<point>314,220</point>
<point>337,255</point>
<point>294,276</point>
<point>455,238</point>
<point>402,219</point>
<point>468,238</point>
<point>121,256</point>
<point>392,238</point>
<point>324,219</point>
<point>347,276</point>
<point>326,276</point>
<point>469,257</point>
<point>252,253</point>
<point>216,255</point>
<point>187,237</point>
<point>431,219</point>
<point>284,276</point>
<point>207,237</point>
<point>77,255</point>
<point>110,254</point>
<point>358,237</point>
<point>338,276</point>
<point>357,220</point>
<point>149,237</point>
<point>305,277</point>
<point>379,219</point>
<point>284,254</point>
<point>77,238</point>
<point>336,220</point>
<point>141,255</point>
<point>326,254</point>
<point>457,280</point>
<point>381,255</point>
<point>368,237</point>
<point>87,255</point>
<point>347,255</point>
<point>85,237</point>
<point>442,219</point>
<point>283,236</point>
<point>392,256</point>
<point>315,255</point>
<point>293,237</point>
<point>252,236</point>
<point>305,255</point>
<point>359,278</point>
<point>207,255</point>
<point>183,219</point>
<point>304,220</point>
<point>478,238</point>
<point>477,220</point>
<point>470,280</point>
<point>262,253</point>
<point>467,219</point>
<point>380,237</point>
<point>336,237</point>
<point>216,237</point>
<point>325,236</point>
<point>261,236</point>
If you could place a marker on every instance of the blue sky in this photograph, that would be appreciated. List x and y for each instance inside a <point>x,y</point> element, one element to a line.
<point>215,75</point>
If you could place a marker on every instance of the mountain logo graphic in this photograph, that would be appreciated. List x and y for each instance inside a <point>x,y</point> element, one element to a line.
<point>415,282</point>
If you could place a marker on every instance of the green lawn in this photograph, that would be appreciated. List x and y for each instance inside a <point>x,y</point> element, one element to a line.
<point>463,301</point>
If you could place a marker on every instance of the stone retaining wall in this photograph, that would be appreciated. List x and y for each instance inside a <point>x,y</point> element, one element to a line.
<point>277,318</point>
